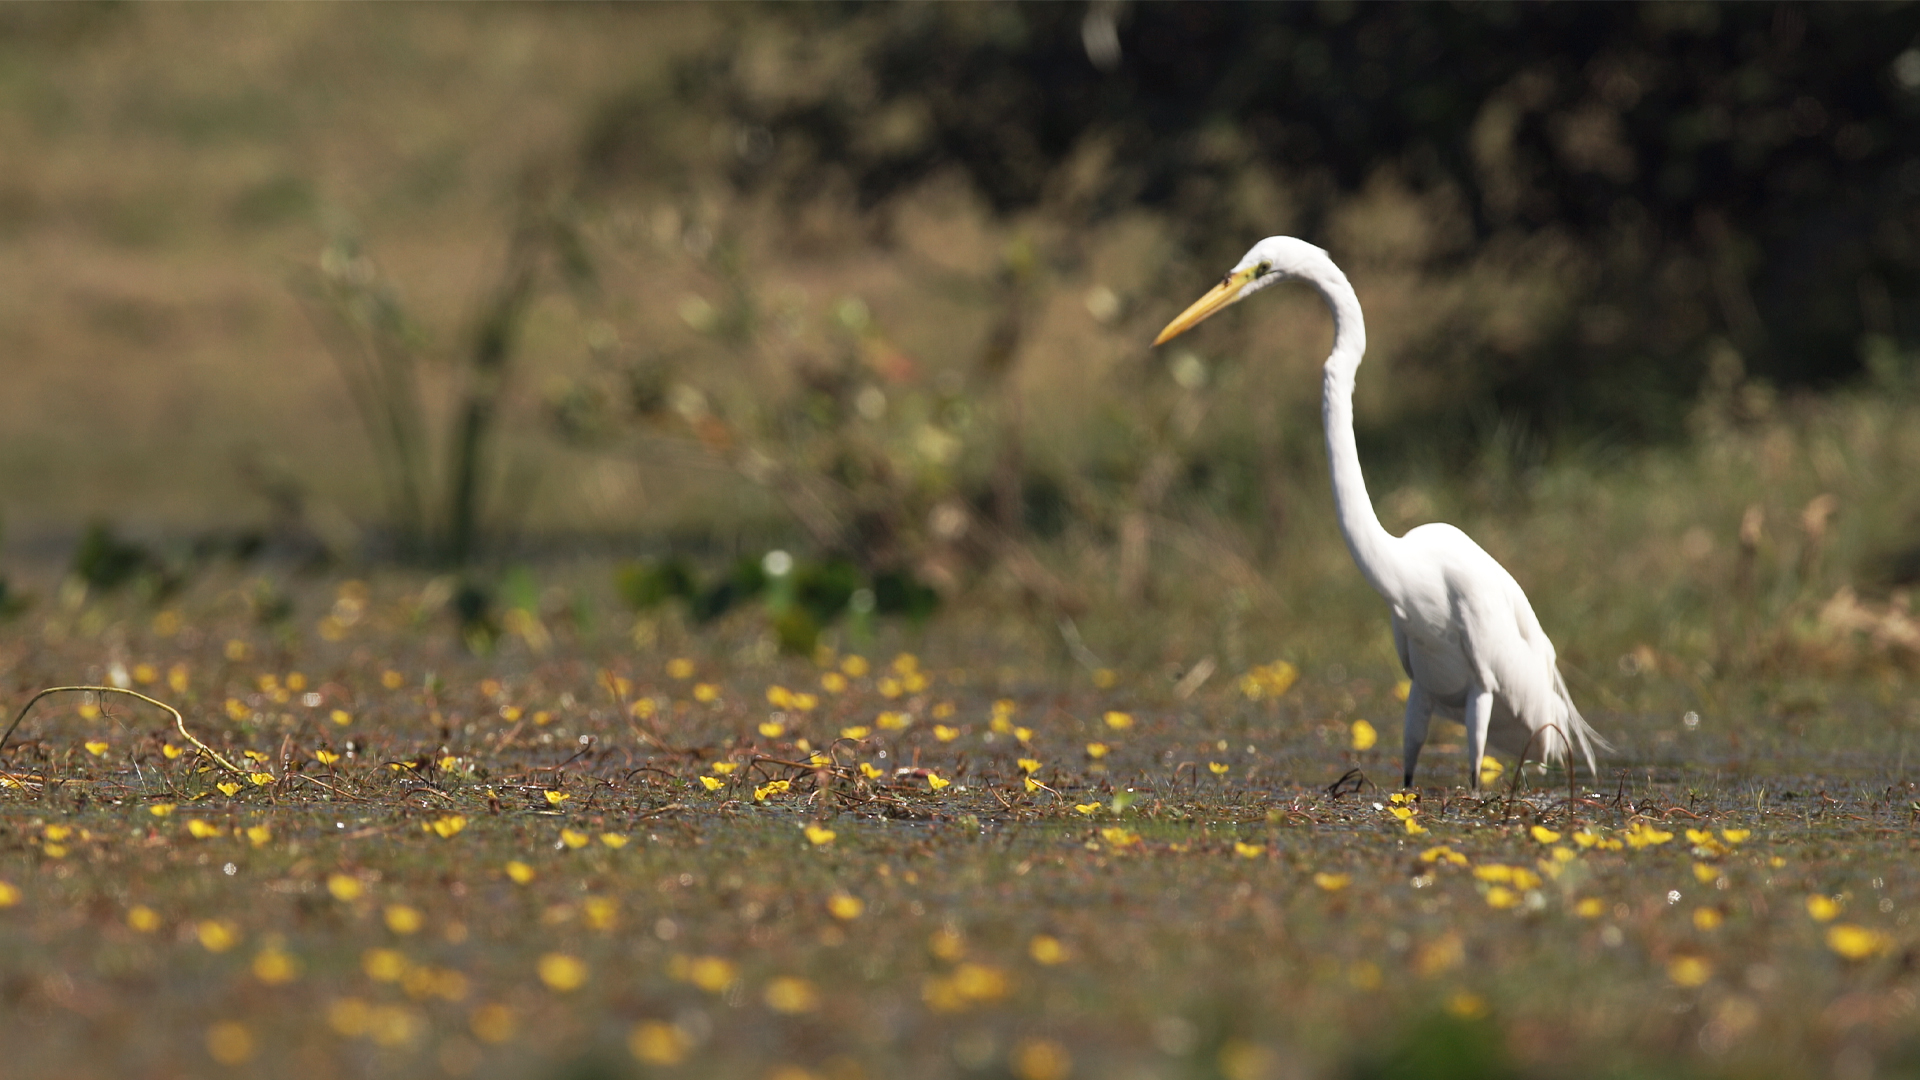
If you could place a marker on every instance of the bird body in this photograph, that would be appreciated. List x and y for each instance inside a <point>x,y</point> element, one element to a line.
<point>1471,646</point>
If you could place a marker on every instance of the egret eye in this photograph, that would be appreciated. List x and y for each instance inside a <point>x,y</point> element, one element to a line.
<point>1265,269</point>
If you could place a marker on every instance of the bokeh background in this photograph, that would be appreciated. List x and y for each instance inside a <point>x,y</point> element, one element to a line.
<point>477,288</point>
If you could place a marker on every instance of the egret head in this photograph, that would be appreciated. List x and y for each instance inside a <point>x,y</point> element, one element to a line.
<point>1269,262</point>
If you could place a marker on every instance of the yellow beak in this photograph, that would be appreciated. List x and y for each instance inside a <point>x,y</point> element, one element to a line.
<point>1218,298</point>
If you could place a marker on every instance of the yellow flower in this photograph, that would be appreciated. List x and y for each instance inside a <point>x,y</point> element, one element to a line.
<point>1402,690</point>
<point>1363,735</point>
<point>1490,770</point>
<point>1031,785</point>
<point>711,973</point>
<point>1097,750</point>
<point>237,710</point>
<point>856,732</point>
<point>562,972</point>
<point>1025,735</point>
<point>1641,835</point>
<point>340,717</point>
<point>871,773</point>
<point>384,965</point>
<point>945,733</point>
<point>1591,907</point>
<point>325,757</point>
<point>160,809</point>
<point>1414,828</point>
<point>890,687</point>
<point>818,834</point>
<point>1467,1005</point>
<point>833,682</point>
<point>706,693</point>
<point>492,1023</point>
<point>345,888</point>
<point>449,826</point>
<point>449,763</point>
<point>1857,942</point>
<point>844,907</point>
<point>1443,854</point>
<point>772,729</point>
<point>1707,918</point>
<point>260,779</point>
<point>1689,971</point>
<point>1046,950</point>
<point>601,912</point>
<point>574,840</point>
<point>854,667</point>
<point>1706,873</point>
<point>946,943</point>
<point>1218,768</point>
<point>1735,836</point>
<point>1822,908</point>
<point>402,919</point>
<point>771,787</point>
<point>616,841</point>
<point>1544,835</point>
<point>724,768</point>
<point>228,788</point>
<point>555,798</point>
<point>1119,721</point>
<point>96,747</point>
<point>1269,680</point>
<point>1030,765</point>
<point>1332,882</point>
<point>1040,1059</point>
<point>217,935</point>
<point>230,1043</point>
<point>805,702</point>
<point>788,994</point>
<point>140,917</point>
<point>274,967</point>
<point>779,697</point>
<point>201,830</point>
<point>679,668</point>
<point>655,1042</point>
<point>1120,837</point>
<point>259,835</point>
<point>711,783</point>
<point>1088,809</point>
<point>170,751</point>
<point>1563,854</point>
<point>936,782</point>
<point>1248,851</point>
<point>520,872</point>
<point>1499,896</point>
<point>1494,872</point>
<point>906,664</point>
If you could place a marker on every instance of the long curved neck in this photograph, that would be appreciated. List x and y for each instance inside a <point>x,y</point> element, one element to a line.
<point>1366,538</point>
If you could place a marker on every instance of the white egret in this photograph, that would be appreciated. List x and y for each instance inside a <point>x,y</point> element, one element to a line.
<point>1467,637</point>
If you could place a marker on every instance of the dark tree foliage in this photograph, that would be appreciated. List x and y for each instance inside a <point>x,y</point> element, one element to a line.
<point>1749,172</point>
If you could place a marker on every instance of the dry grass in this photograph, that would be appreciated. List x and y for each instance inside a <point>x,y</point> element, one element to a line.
<point>1190,900</point>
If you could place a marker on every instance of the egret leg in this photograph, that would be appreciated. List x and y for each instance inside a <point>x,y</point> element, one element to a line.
<point>1419,713</point>
<point>1479,716</point>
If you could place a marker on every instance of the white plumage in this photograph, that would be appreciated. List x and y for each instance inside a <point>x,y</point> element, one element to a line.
<point>1467,637</point>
